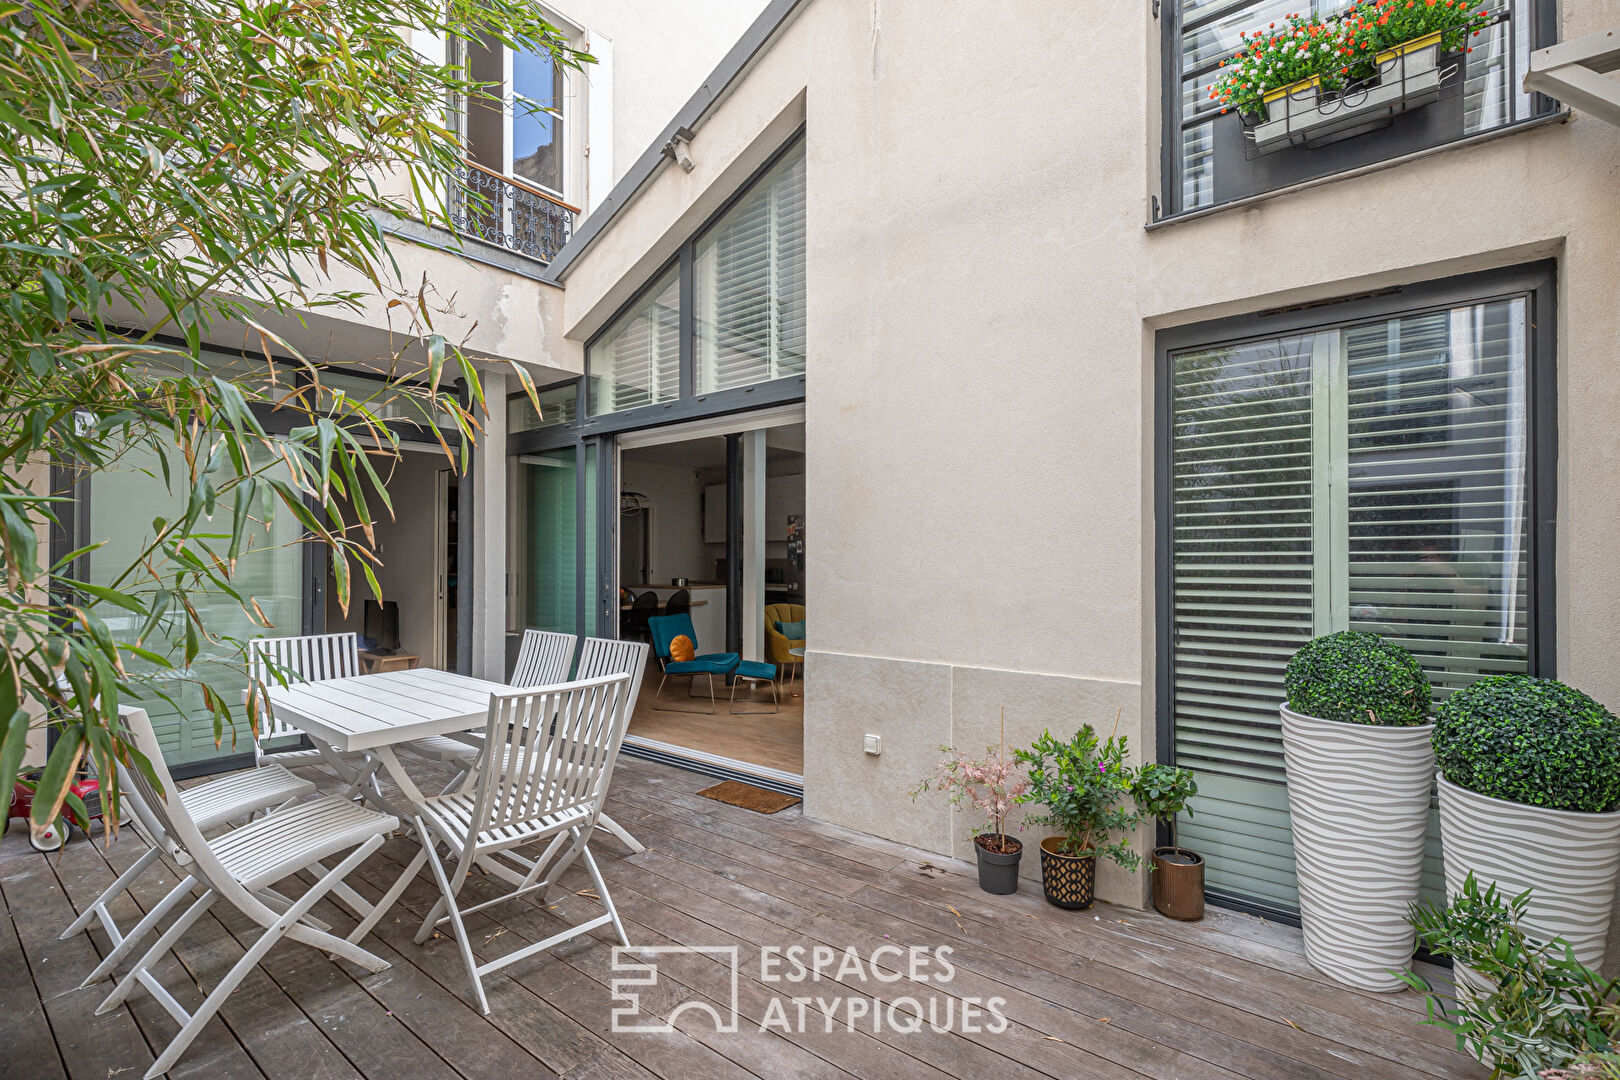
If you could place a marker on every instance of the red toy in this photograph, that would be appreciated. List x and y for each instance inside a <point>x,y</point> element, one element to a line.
<point>22,804</point>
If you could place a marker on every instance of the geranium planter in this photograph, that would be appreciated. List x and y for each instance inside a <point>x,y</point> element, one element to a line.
<point>998,870</point>
<point>1569,859</point>
<point>1303,114</point>
<point>1358,800</point>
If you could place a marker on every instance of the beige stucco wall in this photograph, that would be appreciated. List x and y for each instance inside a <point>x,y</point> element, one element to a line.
<point>983,300</point>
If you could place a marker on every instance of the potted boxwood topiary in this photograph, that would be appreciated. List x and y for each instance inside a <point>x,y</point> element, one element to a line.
<point>1162,792</point>
<point>1086,787</point>
<point>1530,799</point>
<point>1356,748</point>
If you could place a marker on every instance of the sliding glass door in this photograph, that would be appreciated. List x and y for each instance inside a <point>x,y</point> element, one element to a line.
<point>1368,476</point>
<point>554,556</point>
<point>124,499</point>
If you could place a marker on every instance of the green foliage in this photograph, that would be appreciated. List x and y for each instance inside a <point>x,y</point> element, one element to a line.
<point>1086,787</point>
<point>1164,791</point>
<point>1544,1010</point>
<point>192,167</point>
<point>1531,741</point>
<point>1357,678</point>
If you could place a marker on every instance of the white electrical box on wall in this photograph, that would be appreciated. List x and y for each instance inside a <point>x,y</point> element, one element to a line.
<point>874,744</point>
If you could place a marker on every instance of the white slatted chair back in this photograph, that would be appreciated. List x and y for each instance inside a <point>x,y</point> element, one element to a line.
<point>604,656</point>
<point>560,746</point>
<point>308,658</point>
<point>168,815</point>
<point>544,659</point>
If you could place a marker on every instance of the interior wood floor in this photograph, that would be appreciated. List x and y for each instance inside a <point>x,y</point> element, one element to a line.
<point>775,740</point>
<point>1108,993</point>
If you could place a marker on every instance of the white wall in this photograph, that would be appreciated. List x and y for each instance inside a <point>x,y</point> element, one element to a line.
<point>677,519</point>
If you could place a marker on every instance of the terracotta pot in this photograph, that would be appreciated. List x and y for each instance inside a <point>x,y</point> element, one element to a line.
<point>1178,883</point>
<point>998,870</point>
<point>1069,881</point>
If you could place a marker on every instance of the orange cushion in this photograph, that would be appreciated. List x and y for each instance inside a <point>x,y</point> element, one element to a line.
<point>682,649</point>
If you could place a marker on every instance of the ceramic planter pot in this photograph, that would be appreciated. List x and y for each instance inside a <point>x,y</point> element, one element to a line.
<point>998,870</point>
<point>1069,881</point>
<point>1178,883</point>
<point>1571,860</point>
<point>1358,800</point>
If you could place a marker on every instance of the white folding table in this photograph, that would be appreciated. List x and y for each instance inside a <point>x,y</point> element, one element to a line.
<point>374,714</point>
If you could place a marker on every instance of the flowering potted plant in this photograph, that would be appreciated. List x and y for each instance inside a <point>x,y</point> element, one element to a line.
<point>1086,787</point>
<point>990,785</point>
<point>1310,77</point>
<point>1162,792</point>
<point>1355,733</point>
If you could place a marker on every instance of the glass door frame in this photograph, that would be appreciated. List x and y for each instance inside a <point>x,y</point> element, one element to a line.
<point>1537,284</point>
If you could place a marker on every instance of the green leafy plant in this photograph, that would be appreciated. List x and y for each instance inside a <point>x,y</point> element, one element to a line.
<point>204,168</point>
<point>1357,678</point>
<point>1543,1010</point>
<point>1586,1067</point>
<point>1532,741</point>
<point>1086,786</point>
<point>1163,792</point>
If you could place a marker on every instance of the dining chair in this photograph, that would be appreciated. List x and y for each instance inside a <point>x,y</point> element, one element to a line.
<point>665,629</point>
<point>543,660</point>
<point>235,868</point>
<point>559,745</point>
<point>604,656</point>
<point>306,658</point>
<point>679,603</point>
<point>642,608</point>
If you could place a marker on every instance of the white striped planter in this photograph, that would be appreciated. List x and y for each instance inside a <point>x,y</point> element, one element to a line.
<point>1571,860</point>
<point>1358,800</point>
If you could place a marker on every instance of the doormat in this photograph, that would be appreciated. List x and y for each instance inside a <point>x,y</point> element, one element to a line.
<point>749,797</point>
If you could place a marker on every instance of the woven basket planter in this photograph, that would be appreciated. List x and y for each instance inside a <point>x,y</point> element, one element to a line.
<point>1358,800</point>
<point>1069,881</point>
<point>1569,859</point>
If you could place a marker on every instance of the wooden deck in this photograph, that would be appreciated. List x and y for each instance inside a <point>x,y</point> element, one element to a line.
<point>1108,993</point>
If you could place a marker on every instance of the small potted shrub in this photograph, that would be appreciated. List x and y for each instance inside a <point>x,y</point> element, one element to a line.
<point>1356,749</point>
<point>1162,792</point>
<point>990,786</point>
<point>1086,787</point>
<point>1530,799</point>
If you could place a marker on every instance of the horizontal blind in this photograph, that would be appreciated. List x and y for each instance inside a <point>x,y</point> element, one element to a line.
<point>749,283</point>
<point>1438,548</point>
<point>637,360</point>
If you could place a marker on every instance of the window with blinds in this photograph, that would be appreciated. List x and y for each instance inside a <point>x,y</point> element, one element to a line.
<point>748,279</point>
<point>1368,477</point>
<point>638,360</point>
<point>1209,164</point>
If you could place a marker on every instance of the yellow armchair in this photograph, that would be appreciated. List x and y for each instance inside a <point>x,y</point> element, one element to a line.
<point>777,646</point>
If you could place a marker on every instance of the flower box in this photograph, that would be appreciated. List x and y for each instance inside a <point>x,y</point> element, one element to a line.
<point>1409,76</point>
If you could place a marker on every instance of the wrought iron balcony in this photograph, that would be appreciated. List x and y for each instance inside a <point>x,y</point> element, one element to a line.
<point>500,210</point>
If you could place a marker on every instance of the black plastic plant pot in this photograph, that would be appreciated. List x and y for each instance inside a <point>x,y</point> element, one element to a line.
<point>998,870</point>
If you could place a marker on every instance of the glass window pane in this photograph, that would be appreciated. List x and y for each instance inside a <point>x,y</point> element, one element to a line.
<point>548,546</point>
<point>124,499</point>
<point>749,284</point>
<point>537,135</point>
<point>637,361</point>
<point>558,405</point>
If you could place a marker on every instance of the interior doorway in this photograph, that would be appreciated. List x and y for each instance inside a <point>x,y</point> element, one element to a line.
<point>415,624</point>
<point>710,525</point>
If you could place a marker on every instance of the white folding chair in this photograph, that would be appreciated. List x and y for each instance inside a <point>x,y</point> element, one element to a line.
<point>238,866</point>
<point>604,656</point>
<point>210,805</point>
<point>543,660</point>
<point>274,662</point>
<point>558,745</point>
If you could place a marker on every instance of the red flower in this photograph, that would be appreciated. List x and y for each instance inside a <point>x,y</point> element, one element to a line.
<point>1274,25</point>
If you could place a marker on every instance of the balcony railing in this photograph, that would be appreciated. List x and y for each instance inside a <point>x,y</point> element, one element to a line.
<point>497,209</point>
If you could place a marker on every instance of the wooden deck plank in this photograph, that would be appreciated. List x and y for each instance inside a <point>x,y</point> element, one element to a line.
<point>25,1033</point>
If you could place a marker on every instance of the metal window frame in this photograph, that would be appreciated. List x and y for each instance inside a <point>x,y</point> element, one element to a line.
<point>1166,201</point>
<point>1538,284</point>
